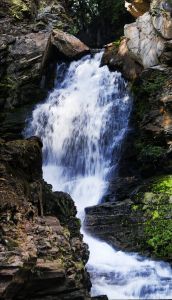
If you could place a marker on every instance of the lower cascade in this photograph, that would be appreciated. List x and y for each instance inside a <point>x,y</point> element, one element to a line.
<point>82,124</point>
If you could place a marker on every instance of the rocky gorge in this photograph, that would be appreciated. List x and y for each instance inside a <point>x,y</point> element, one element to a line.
<point>137,215</point>
<point>42,253</point>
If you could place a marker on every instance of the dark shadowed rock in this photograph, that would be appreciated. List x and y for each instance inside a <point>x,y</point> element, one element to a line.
<point>117,57</point>
<point>142,224</point>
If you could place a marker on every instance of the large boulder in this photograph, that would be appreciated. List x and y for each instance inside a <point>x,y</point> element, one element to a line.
<point>67,44</point>
<point>144,43</point>
<point>143,224</point>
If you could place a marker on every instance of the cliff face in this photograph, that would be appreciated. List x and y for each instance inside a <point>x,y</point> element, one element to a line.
<point>25,28</point>
<point>42,254</point>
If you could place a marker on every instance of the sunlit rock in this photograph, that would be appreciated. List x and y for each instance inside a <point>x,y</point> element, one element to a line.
<point>161,18</point>
<point>68,44</point>
<point>144,44</point>
<point>137,7</point>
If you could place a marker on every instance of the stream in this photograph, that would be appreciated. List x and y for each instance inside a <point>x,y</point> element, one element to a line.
<point>83,124</point>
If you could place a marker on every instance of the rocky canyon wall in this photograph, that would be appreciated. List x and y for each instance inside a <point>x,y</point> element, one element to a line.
<point>42,254</point>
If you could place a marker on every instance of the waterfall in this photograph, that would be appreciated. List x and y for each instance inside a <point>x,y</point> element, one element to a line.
<point>82,124</point>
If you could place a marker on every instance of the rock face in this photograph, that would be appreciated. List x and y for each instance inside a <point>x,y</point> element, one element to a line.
<point>42,254</point>
<point>161,20</point>
<point>147,42</point>
<point>21,68</point>
<point>143,224</point>
<point>149,38</point>
<point>144,44</point>
<point>25,42</point>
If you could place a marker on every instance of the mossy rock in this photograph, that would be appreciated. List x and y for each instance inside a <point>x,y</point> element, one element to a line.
<point>154,202</point>
<point>163,185</point>
<point>21,9</point>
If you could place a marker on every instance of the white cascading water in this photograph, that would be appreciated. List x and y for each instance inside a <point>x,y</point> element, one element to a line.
<point>82,125</point>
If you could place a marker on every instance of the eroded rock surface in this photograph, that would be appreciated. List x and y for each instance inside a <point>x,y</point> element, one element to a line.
<point>144,43</point>
<point>25,41</point>
<point>42,254</point>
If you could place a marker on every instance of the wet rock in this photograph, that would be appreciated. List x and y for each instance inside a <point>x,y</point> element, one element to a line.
<point>142,224</point>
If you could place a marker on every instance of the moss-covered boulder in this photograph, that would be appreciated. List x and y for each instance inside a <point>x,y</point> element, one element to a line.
<point>142,223</point>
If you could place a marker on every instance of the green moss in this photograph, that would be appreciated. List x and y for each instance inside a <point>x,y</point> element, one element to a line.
<point>154,203</point>
<point>148,152</point>
<point>8,83</point>
<point>151,152</point>
<point>146,88</point>
<point>158,231</point>
<point>79,265</point>
<point>117,43</point>
<point>135,207</point>
<point>152,84</point>
<point>18,9</point>
<point>163,185</point>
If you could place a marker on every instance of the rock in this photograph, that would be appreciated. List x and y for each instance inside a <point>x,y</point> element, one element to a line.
<point>142,224</point>
<point>137,7</point>
<point>25,28</point>
<point>42,253</point>
<point>110,221</point>
<point>68,45</point>
<point>161,20</point>
<point>19,86</point>
<point>144,44</point>
<point>119,58</point>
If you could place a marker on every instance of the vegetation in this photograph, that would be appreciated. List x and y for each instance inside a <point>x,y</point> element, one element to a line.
<point>18,9</point>
<point>163,185</point>
<point>102,16</point>
<point>155,206</point>
<point>149,85</point>
<point>158,228</point>
<point>150,152</point>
